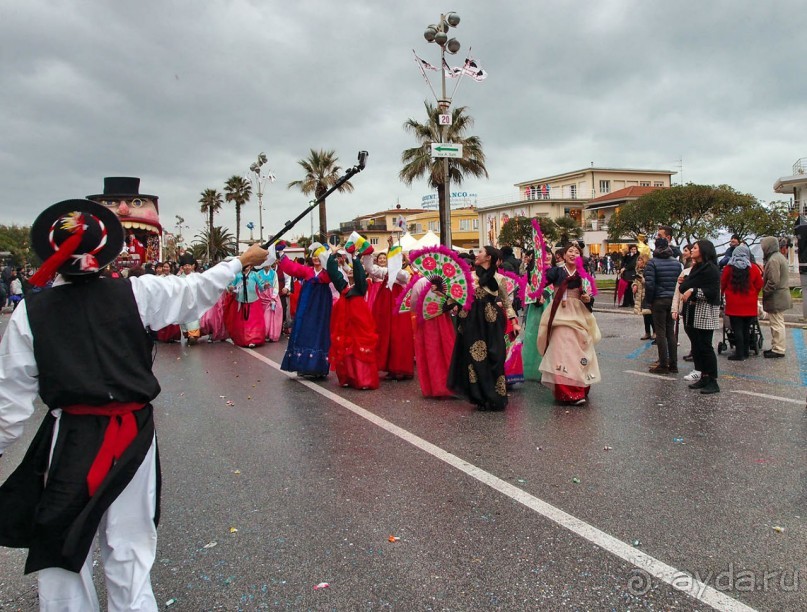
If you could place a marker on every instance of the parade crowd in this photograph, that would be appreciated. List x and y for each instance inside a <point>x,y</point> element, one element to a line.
<point>465,325</point>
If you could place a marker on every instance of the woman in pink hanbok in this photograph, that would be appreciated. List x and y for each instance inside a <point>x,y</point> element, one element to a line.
<point>269,294</point>
<point>212,322</point>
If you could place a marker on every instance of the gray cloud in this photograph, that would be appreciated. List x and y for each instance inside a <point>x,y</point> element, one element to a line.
<point>185,94</point>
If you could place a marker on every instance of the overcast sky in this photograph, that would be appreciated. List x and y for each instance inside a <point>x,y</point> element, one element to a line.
<point>185,94</point>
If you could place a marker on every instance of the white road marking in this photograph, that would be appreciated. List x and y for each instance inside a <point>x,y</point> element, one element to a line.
<point>649,375</point>
<point>678,579</point>
<point>773,397</point>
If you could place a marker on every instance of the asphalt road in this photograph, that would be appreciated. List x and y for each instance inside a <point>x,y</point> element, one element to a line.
<point>540,507</point>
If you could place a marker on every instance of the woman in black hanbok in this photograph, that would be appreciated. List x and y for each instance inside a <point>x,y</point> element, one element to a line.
<point>477,365</point>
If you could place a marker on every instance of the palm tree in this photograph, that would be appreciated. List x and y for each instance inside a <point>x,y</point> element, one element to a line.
<point>237,190</point>
<point>220,242</point>
<point>418,161</point>
<point>321,173</point>
<point>211,204</point>
<point>567,230</point>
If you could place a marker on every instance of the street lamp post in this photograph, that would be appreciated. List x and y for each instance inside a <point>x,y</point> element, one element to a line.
<point>259,178</point>
<point>438,33</point>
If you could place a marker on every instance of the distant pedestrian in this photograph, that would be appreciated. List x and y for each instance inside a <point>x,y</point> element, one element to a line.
<point>661,279</point>
<point>741,282</point>
<point>776,298</point>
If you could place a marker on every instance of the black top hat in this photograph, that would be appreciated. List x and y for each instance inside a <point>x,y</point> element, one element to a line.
<point>116,186</point>
<point>187,259</point>
<point>96,229</point>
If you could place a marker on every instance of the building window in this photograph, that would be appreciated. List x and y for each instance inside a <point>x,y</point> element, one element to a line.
<point>373,240</point>
<point>605,186</point>
<point>434,226</point>
<point>658,184</point>
<point>573,192</point>
<point>465,225</point>
<point>476,224</point>
<point>418,227</point>
<point>644,183</point>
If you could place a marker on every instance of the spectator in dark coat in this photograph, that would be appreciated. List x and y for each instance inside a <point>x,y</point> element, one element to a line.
<point>661,278</point>
<point>509,261</point>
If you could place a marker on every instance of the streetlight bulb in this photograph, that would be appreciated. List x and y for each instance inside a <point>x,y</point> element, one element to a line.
<point>430,33</point>
<point>441,38</point>
<point>453,19</point>
<point>453,46</point>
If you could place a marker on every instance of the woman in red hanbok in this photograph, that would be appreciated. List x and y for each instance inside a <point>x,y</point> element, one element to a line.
<point>353,333</point>
<point>434,345</point>
<point>395,351</point>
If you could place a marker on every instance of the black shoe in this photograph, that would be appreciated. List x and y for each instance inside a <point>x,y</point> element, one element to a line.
<point>701,383</point>
<point>736,357</point>
<point>711,387</point>
<point>773,355</point>
<point>673,369</point>
<point>689,357</point>
<point>659,369</point>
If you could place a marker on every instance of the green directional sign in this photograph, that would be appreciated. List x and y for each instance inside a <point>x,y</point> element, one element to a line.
<point>446,149</point>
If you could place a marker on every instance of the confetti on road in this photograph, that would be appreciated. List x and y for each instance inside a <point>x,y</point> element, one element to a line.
<point>233,530</point>
<point>778,529</point>
<point>230,403</point>
<point>637,543</point>
<point>678,440</point>
<point>393,538</point>
<point>237,472</point>
<point>170,602</point>
<point>210,545</point>
<point>321,585</point>
<point>576,480</point>
<point>607,448</point>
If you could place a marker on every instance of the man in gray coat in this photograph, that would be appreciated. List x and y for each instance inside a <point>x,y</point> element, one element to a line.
<point>776,298</point>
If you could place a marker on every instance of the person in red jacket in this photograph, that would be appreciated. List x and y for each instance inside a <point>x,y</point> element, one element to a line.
<point>741,282</point>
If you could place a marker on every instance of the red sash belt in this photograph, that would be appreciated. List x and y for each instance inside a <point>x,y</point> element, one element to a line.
<point>119,434</point>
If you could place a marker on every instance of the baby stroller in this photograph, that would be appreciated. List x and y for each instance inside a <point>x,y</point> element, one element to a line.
<point>754,336</point>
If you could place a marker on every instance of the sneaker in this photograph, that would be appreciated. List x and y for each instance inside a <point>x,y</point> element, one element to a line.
<point>773,355</point>
<point>693,376</point>
<point>645,337</point>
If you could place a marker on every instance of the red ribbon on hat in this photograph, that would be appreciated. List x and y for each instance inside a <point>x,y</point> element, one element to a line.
<point>62,253</point>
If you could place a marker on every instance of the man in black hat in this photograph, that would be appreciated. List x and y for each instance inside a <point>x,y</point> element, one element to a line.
<point>192,330</point>
<point>92,466</point>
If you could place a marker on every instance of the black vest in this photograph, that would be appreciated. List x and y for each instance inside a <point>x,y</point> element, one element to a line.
<point>90,345</point>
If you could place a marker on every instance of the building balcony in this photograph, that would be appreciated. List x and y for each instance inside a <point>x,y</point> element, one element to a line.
<point>362,226</point>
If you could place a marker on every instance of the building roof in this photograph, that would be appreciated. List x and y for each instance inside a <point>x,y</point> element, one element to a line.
<point>628,193</point>
<point>391,211</point>
<point>554,177</point>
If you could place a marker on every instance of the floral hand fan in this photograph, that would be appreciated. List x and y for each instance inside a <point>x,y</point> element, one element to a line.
<point>449,276</point>
<point>535,281</point>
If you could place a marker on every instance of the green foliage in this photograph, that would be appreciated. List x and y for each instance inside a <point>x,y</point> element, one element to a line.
<point>237,190</point>
<point>418,161</point>
<point>695,211</point>
<point>220,242</point>
<point>321,173</point>
<point>517,232</point>
<point>17,240</point>
<point>566,229</point>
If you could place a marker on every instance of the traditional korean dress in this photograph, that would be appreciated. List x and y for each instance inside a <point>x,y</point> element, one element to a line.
<point>273,307</point>
<point>566,339</point>
<point>244,314</point>
<point>477,365</point>
<point>353,332</point>
<point>434,346</point>
<point>395,352</point>
<point>310,340</point>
